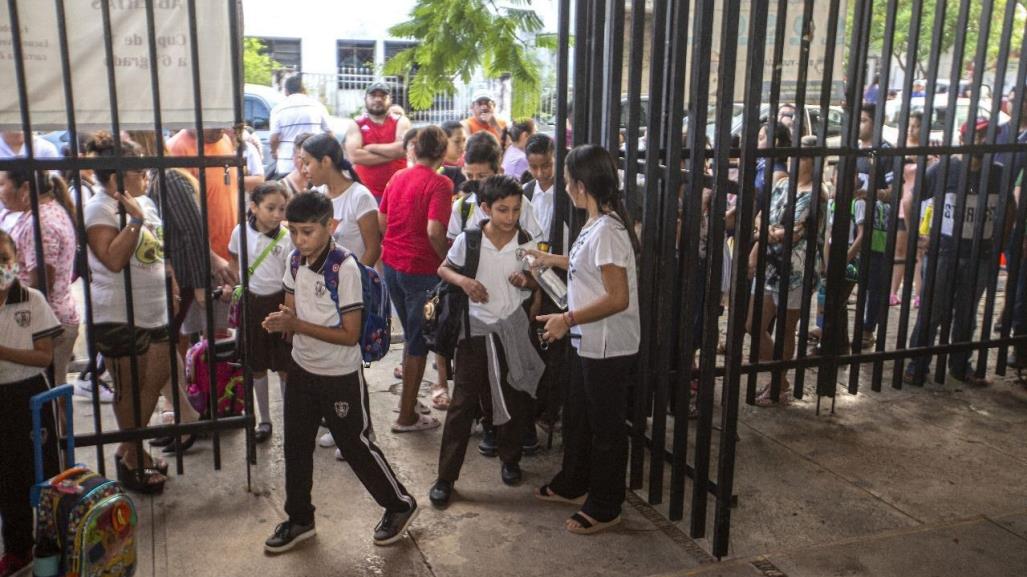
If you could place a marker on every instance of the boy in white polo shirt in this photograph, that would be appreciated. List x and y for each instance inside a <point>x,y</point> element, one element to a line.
<point>327,380</point>
<point>496,357</point>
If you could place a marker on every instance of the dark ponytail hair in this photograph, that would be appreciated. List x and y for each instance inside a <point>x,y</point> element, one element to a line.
<point>595,168</point>
<point>324,144</point>
<point>47,184</point>
<point>520,128</point>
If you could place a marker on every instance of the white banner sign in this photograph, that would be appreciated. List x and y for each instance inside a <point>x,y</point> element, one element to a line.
<point>41,47</point>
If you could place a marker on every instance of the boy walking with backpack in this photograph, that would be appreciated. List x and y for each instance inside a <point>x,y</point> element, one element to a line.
<point>495,356</point>
<point>327,380</point>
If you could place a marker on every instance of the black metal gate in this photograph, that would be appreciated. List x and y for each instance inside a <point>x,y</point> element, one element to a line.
<point>76,161</point>
<point>686,47</point>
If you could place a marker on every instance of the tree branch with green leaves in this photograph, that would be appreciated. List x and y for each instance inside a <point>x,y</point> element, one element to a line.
<point>458,37</point>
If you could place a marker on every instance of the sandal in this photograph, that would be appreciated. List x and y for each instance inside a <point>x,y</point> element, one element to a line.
<point>423,423</point>
<point>140,481</point>
<point>397,372</point>
<point>419,408</point>
<point>160,464</point>
<point>588,525</point>
<point>546,493</point>
<point>440,398</point>
<point>783,399</point>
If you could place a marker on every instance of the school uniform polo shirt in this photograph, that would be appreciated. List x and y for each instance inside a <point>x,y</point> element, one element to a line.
<point>494,270</point>
<point>314,305</point>
<point>24,319</point>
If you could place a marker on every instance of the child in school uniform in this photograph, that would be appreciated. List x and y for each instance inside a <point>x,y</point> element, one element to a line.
<point>327,380</point>
<point>268,248</point>
<point>29,327</point>
<point>498,355</point>
<point>603,322</point>
<point>481,161</point>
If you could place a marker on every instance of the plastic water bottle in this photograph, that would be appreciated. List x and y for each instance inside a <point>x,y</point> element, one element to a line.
<point>546,278</point>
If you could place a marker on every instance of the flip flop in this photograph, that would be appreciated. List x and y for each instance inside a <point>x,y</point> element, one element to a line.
<point>424,423</point>
<point>419,407</point>
<point>588,527</point>
<point>440,398</point>
<point>546,493</point>
<point>397,372</point>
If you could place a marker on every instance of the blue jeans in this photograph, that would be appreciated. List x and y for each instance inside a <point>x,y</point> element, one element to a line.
<point>955,272</point>
<point>878,285</point>
<point>409,292</point>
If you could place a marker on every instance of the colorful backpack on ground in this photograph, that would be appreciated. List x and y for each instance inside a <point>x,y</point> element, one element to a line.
<point>376,318</point>
<point>228,376</point>
<point>85,525</point>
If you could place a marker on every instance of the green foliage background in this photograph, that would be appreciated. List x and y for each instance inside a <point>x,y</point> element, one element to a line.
<point>456,37</point>
<point>257,65</point>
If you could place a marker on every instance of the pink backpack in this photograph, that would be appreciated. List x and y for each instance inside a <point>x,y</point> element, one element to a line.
<point>228,376</point>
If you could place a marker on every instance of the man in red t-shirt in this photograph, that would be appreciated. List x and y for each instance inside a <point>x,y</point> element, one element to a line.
<point>375,143</point>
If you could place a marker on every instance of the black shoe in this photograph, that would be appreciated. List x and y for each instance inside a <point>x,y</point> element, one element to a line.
<point>287,535</point>
<point>161,441</point>
<point>511,474</point>
<point>440,493</point>
<point>529,443</point>
<point>392,526</point>
<point>487,446</point>
<point>186,444</point>
<point>262,432</point>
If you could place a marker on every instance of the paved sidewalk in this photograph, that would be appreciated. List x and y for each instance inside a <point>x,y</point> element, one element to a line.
<point>898,483</point>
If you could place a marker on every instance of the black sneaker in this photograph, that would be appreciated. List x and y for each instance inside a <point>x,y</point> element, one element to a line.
<point>392,526</point>
<point>529,443</point>
<point>287,535</point>
<point>487,446</point>
<point>440,493</point>
<point>511,474</point>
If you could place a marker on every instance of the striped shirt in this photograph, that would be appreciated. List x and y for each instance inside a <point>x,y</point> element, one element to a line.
<point>297,114</point>
<point>187,249</point>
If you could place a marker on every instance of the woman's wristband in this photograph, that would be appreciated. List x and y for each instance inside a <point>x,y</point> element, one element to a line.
<point>136,221</point>
<point>568,317</point>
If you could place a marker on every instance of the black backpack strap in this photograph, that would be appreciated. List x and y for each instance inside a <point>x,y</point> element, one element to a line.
<point>473,252</point>
<point>529,190</point>
<point>472,238</point>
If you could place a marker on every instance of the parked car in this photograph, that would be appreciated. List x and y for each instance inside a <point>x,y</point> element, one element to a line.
<point>890,131</point>
<point>257,104</point>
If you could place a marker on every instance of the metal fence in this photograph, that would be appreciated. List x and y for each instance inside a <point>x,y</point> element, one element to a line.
<point>76,161</point>
<point>704,78</point>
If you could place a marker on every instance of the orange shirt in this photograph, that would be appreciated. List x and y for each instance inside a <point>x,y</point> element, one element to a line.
<point>222,198</point>
<point>476,125</point>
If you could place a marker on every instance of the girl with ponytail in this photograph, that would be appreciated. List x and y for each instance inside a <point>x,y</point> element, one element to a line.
<point>603,322</point>
<point>356,211</point>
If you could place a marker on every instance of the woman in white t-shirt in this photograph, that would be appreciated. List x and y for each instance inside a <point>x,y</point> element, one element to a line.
<point>356,211</point>
<point>268,246</point>
<point>602,319</point>
<point>136,246</point>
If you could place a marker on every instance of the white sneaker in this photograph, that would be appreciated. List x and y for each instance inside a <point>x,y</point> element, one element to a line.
<point>326,440</point>
<point>84,388</point>
<point>338,455</point>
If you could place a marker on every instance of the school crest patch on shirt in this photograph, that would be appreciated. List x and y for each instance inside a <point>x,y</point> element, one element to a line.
<point>23,318</point>
<point>319,288</point>
<point>341,409</point>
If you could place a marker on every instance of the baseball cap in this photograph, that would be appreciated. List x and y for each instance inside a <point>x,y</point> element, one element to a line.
<point>979,125</point>
<point>482,94</point>
<point>378,87</point>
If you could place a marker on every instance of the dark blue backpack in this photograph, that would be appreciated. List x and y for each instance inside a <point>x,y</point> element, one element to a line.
<point>376,319</point>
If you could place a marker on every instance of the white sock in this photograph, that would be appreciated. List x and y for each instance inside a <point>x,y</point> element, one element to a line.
<point>263,403</point>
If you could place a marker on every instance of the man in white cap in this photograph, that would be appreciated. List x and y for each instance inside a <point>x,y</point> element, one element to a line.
<point>483,116</point>
<point>374,144</point>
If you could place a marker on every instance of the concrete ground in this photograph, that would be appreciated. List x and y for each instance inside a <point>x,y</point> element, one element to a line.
<point>898,483</point>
